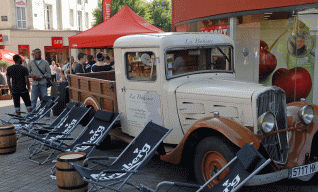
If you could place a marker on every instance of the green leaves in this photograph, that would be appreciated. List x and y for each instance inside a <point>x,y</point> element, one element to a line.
<point>4,63</point>
<point>161,14</point>
<point>157,12</point>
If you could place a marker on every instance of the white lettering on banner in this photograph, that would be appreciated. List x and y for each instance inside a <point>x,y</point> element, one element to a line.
<point>141,154</point>
<point>97,135</point>
<point>232,184</point>
<point>57,42</point>
<point>67,130</point>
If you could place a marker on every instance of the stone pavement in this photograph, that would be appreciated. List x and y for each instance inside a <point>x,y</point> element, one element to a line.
<point>18,174</point>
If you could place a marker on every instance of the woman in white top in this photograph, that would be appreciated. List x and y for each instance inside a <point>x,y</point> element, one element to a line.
<point>53,71</point>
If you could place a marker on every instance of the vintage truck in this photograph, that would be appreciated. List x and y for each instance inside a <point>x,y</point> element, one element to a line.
<point>186,81</point>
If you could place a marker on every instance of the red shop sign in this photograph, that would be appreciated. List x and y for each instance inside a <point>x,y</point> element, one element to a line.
<point>57,41</point>
<point>1,38</point>
<point>106,9</point>
<point>221,29</point>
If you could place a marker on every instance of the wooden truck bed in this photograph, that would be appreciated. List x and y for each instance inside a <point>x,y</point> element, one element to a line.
<point>94,89</point>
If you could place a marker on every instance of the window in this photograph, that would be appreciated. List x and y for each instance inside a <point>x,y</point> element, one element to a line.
<point>79,2</point>
<point>79,20</point>
<point>48,12</point>
<point>141,66</point>
<point>72,17</point>
<point>86,20</point>
<point>21,18</point>
<point>190,61</point>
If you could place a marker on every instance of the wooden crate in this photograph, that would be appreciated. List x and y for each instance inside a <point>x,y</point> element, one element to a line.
<point>101,87</point>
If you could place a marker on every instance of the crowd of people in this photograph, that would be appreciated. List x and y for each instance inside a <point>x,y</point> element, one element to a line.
<point>40,70</point>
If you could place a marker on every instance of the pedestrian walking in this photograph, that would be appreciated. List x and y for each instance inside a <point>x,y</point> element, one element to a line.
<point>39,71</point>
<point>20,85</point>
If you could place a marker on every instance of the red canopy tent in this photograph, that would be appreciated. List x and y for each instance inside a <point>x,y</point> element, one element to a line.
<point>125,22</point>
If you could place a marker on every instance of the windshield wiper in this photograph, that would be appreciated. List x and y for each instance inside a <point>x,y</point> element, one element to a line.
<point>223,54</point>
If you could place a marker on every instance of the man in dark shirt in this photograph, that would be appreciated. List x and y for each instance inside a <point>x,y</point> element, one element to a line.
<point>20,84</point>
<point>79,68</point>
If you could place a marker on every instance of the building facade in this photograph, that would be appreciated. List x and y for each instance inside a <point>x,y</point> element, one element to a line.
<point>45,24</point>
<point>275,41</point>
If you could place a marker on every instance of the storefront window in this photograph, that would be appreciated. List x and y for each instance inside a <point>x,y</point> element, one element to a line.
<point>287,53</point>
<point>24,50</point>
<point>272,48</point>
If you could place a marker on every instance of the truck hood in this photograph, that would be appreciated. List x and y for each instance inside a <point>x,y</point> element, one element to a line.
<point>222,88</point>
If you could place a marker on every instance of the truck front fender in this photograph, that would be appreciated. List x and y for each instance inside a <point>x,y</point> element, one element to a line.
<point>303,140</point>
<point>211,126</point>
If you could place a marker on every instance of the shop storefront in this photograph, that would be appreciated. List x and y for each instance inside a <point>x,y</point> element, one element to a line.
<point>53,44</point>
<point>274,46</point>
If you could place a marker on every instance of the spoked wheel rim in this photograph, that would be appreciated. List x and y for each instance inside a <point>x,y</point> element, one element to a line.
<point>212,162</point>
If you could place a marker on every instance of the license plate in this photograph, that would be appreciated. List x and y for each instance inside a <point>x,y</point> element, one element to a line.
<point>302,170</point>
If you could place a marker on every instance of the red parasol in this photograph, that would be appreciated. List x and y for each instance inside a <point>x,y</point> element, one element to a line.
<point>7,55</point>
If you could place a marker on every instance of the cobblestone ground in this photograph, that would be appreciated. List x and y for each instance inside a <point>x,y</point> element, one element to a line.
<point>18,174</point>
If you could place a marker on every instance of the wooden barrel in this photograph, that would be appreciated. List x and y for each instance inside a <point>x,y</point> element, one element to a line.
<point>68,180</point>
<point>8,139</point>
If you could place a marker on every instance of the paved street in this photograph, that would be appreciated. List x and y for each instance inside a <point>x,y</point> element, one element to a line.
<point>18,174</point>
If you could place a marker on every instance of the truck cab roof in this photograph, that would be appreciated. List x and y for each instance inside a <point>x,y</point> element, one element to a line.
<point>172,39</point>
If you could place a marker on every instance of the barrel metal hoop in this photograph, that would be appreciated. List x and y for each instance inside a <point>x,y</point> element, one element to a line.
<point>75,187</point>
<point>7,128</point>
<point>70,169</point>
<point>7,135</point>
<point>13,146</point>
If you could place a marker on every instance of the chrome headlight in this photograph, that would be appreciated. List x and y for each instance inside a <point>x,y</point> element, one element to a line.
<point>306,114</point>
<point>266,122</point>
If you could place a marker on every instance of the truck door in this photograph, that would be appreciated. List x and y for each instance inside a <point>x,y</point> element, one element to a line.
<point>139,91</point>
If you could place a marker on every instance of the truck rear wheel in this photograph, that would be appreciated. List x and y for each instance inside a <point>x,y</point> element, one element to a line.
<point>211,155</point>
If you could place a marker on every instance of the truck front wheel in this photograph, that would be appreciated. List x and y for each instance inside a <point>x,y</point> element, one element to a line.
<point>211,155</point>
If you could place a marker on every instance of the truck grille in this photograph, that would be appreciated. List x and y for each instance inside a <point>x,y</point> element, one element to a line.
<point>276,145</point>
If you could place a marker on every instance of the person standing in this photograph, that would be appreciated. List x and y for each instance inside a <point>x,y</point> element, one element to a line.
<point>79,68</point>
<point>53,68</point>
<point>20,85</point>
<point>101,65</point>
<point>39,84</point>
<point>65,67</point>
<point>90,63</point>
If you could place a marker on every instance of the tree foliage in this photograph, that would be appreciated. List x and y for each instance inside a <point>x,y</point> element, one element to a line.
<point>157,12</point>
<point>161,14</point>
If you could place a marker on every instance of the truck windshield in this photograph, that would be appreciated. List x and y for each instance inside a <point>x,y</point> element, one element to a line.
<point>188,61</point>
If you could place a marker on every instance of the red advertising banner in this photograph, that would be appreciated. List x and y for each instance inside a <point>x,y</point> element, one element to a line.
<point>1,38</point>
<point>106,9</point>
<point>57,41</point>
<point>222,29</point>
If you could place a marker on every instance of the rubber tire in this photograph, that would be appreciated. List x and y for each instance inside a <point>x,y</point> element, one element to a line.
<point>214,143</point>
